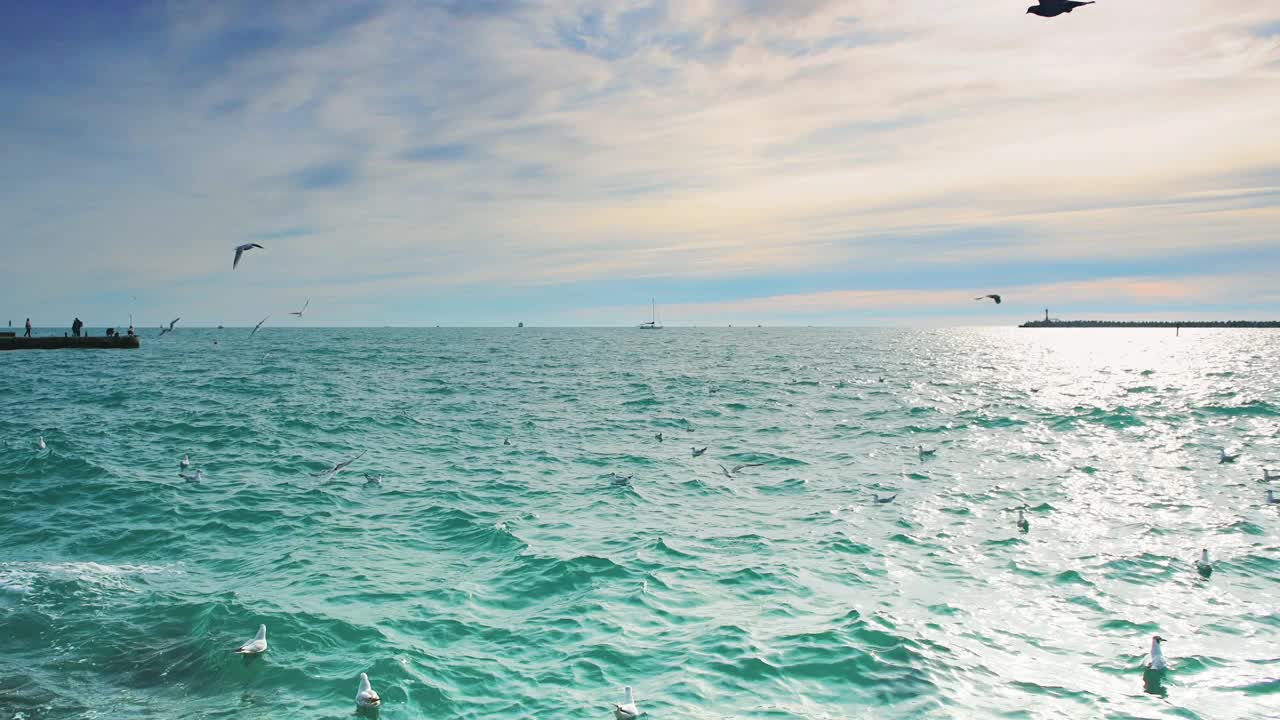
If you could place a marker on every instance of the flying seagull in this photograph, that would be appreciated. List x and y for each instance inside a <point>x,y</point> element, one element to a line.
<point>1054,8</point>
<point>169,329</point>
<point>365,696</point>
<point>304,308</point>
<point>992,296</point>
<point>697,452</point>
<point>338,467</point>
<point>1203,565</point>
<point>730,472</point>
<point>627,710</point>
<point>257,645</point>
<point>255,327</point>
<point>240,250</point>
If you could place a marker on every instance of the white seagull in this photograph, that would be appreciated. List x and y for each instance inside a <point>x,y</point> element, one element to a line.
<point>240,250</point>
<point>697,452</point>
<point>1203,566</point>
<point>185,462</point>
<point>627,710</point>
<point>1023,523</point>
<point>365,696</point>
<point>255,327</point>
<point>730,472</point>
<point>1226,457</point>
<point>1157,656</point>
<point>926,452</point>
<point>304,308</point>
<point>40,442</point>
<point>197,477</point>
<point>257,645</point>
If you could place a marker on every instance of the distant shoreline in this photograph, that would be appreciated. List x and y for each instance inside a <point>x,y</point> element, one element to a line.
<point>1227,324</point>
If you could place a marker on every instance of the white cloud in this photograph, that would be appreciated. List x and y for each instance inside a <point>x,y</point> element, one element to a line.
<point>604,141</point>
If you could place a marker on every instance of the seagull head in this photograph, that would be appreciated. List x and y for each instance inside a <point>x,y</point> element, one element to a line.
<point>1157,639</point>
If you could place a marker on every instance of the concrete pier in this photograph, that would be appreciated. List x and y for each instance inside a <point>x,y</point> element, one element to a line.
<point>53,342</point>
<point>1168,324</point>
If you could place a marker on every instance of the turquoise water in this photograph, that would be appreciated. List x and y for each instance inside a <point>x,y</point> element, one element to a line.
<point>484,580</point>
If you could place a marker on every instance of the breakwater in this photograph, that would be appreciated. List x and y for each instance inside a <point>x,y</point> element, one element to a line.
<point>1172,324</point>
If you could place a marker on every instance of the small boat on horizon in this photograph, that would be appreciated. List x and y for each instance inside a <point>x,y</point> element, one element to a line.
<point>654,323</point>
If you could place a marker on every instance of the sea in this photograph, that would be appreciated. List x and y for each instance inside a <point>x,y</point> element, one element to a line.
<point>533,545</point>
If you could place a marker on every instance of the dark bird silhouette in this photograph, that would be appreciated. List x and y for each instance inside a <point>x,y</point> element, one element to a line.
<point>255,327</point>
<point>169,329</point>
<point>240,250</point>
<point>883,500</point>
<point>992,296</point>
<point>1054,8</point>
<point>697,452</point>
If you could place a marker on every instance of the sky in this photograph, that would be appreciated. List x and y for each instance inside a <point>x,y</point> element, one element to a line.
<point>561,162</point>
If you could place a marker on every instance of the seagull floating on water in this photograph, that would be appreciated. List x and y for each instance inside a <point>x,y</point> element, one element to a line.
<point>1203,566</point>
<point>883,500</point>
<point>185,462</point>
<point>40,442</point>
<point>372,479</point>
<point>627,710</point>
<point>192,478</point>
<point>257,645</point>
<point>506,441</point>
<point>926,452</point>
<point>1023,524</point>
<point>1271,498</point>
<point>169,329</point>
<point>659,437</point>
<point>697,452</point>
<point>1227,457</point>
<point>365,696</point>
<point>304,308</point>
<point>1054,8</point>
<point>242,249</point>
<point>338,467</point>
<point>992,296</point>
<point>255,327</point>
<point>1157,656</point>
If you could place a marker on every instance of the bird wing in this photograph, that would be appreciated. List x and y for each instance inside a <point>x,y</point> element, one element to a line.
<point>736,468</point>
<point>239,252</point>
<point>726,471</point>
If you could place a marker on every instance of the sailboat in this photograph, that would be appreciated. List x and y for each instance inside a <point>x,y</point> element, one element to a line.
<point>653,323</point>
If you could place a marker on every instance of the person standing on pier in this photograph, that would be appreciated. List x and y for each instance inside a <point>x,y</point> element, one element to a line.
<point>75,327</point>
<point>28,332</point>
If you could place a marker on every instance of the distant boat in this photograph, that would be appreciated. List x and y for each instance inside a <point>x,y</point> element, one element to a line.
<point>519,325</point>
<point>653,323</point>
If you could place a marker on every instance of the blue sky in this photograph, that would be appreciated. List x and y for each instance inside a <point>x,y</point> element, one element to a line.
<point>560,162</point>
